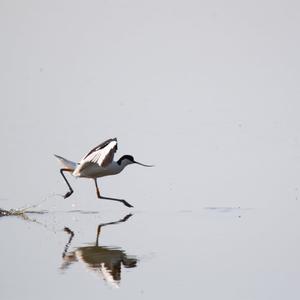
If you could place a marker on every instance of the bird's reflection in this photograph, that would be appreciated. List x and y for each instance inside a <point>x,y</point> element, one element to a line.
<point>103,260</point>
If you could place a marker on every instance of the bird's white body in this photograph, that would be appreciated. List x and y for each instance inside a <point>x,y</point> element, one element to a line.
<point>95,171</point>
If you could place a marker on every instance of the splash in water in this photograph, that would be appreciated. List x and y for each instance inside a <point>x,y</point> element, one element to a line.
<point>22,211</point>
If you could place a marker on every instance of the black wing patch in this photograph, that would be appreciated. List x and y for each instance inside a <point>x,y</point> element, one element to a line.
<point>101,146</point>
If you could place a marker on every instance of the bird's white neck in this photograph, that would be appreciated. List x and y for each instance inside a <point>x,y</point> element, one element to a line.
<point>117,168</point>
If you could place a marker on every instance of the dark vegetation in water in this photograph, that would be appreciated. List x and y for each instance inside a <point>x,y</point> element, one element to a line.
<point>24,210</point>
<point>20,212</point>
<point>12,212</point>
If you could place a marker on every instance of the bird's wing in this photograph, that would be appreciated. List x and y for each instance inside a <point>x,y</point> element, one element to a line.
<point>102,155</point>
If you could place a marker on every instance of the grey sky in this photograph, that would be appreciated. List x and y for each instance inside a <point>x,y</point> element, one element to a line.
<point>209,83</point>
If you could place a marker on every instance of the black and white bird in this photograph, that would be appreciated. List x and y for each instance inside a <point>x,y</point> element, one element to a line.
<point>99,259</point>
<point>96,163</point>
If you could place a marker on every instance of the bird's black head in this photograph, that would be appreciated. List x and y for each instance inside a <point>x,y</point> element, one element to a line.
<point>127,157</point>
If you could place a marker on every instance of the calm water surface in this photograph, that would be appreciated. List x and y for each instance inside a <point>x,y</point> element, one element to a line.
<point>213,253</point>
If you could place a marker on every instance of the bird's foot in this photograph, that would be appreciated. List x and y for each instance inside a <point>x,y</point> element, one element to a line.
<point>68,194</point>
<point>126,203</point>
<point>116,199</point>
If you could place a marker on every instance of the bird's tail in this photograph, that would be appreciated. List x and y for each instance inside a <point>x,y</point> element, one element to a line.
<point>66,163</point>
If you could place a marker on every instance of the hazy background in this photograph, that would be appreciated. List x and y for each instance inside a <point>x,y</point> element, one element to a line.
<point>205,90</point>
<point>208,91</point>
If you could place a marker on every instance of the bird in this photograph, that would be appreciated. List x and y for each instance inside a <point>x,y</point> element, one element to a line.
<point>105,260</point>
<point>98,162</point>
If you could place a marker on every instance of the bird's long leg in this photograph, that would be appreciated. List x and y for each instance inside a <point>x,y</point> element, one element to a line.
<point>69,231</point>
<point>108,198</point>
<point>68,194</point>
<point>110,223</point>
<point>97,189</point>
<point>98,233</point>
